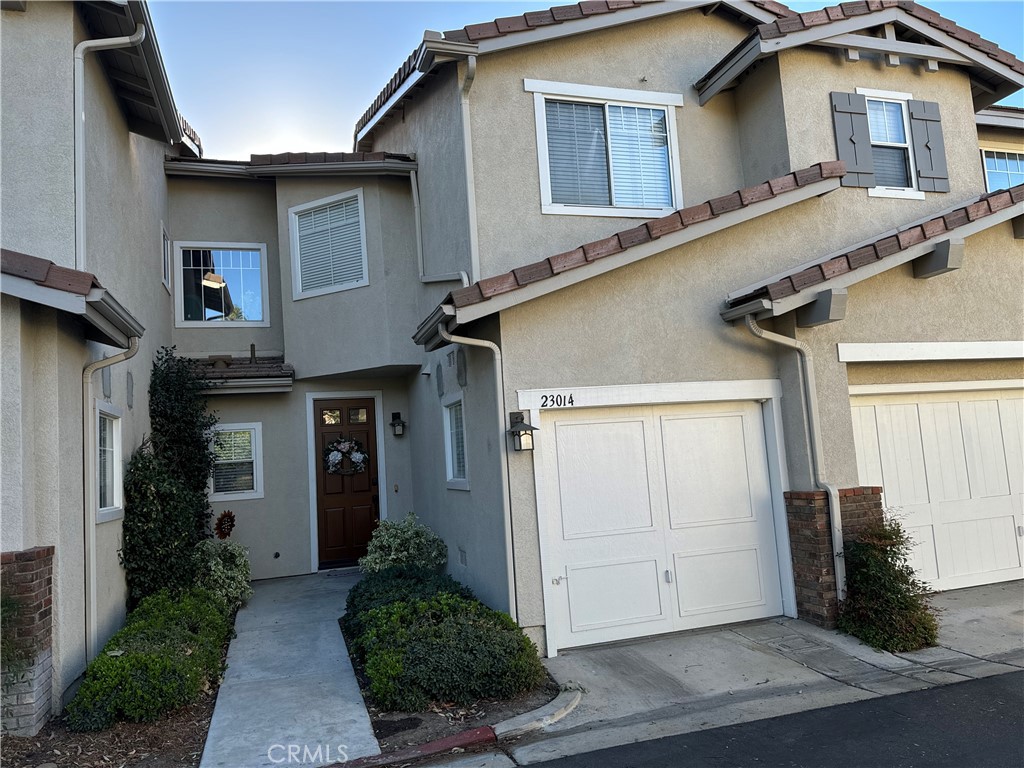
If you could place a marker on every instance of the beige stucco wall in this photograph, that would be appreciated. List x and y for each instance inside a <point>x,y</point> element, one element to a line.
<point>36,139</point>
<point>1006,139</point>
<point>280,522</point>
<point>667,54</point>
<point>431,126</point>
<point>360,328</point>
<point>228,211</point>
<point>808,77</point>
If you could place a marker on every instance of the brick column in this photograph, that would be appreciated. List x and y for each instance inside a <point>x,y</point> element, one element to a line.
<point>810,536</point>
<point>27,577</point>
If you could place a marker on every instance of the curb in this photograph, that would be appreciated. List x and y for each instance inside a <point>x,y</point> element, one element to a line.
<point>552,712</point>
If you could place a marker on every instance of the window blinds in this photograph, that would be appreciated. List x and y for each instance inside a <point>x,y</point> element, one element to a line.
<point>330,246</point>
<point>639,151</point>
<point>577,154</point>
<point>233,467</point>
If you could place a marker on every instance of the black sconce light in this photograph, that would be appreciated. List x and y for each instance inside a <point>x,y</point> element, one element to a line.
<point>521,431</point>
<point>397,425</point>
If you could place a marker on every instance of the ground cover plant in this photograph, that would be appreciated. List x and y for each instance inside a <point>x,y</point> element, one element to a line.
<point>886,605</point>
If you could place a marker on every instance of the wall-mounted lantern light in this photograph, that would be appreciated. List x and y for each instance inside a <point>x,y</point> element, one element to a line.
<point>521,431</point>
<point>397,425</point>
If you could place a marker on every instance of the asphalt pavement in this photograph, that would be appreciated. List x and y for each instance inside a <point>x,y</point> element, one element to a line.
<point>974,724</point>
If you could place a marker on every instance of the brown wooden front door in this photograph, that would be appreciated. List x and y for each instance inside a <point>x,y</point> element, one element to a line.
<point>347,504</point>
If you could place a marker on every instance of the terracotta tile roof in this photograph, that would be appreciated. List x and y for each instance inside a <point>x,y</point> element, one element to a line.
<point>47,274</point>
<point>304,158</point>
<point>888,245</point>
<point>531,20</point>
<point>651,230</point>
<point>223,368</point>
<point>801,21</point>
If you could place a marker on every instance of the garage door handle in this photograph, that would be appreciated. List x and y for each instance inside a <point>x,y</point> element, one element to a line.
<point>668,577</point>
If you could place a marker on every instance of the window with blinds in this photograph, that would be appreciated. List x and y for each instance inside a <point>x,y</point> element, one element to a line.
<point>329,245</point>
<point>456,442</point>
<point>890,149</point>
<point>608,155</point>
<point>236,470</point>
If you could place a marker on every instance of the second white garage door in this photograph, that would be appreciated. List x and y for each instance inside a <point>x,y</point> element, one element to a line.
<point>657,518</point>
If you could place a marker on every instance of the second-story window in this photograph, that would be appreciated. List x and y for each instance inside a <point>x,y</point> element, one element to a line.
<point>328,242</point>
<point>890,149</point>
<point>220,283</point>
<point>606,151</point>
<point>1003,169</point>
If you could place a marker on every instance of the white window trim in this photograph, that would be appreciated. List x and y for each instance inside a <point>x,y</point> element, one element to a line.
<point>166,258</point>
<point>115,512</point>
<point>293,237</point>
<point>256,428</point>
<point>543,89</point>
<point>901,98</point>
<point>1005,147</point>
<point>454,483</point>
<point>179,310</point>
<point>903,351</point>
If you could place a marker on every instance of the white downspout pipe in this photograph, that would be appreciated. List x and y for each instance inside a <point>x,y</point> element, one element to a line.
<point>448,277</point>
<point>506,501</point>
<point>814,425</point>
<point>467,140</point>
<point>90,502</point>
<point>84,47</point>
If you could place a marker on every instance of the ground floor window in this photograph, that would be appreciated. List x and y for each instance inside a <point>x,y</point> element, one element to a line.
<point>238,462</point>
<point>108,462</point>
<point>455,444</point>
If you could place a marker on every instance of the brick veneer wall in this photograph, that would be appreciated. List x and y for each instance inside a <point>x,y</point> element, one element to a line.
<point>810,536</point>
<point>27,576</point>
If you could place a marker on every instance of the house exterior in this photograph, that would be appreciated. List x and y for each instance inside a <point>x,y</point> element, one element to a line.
<point>748,274</point>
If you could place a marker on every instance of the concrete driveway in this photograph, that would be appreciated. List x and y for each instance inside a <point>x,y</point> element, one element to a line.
<point>680,683</point>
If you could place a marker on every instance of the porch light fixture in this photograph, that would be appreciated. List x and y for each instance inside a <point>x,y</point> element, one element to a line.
<point>521,431</point>
<point>397,425</point>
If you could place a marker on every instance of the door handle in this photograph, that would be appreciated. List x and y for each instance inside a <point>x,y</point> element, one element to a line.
<point>668,577</point>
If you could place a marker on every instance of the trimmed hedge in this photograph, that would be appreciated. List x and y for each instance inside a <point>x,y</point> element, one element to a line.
<point>223,568</point>
<point>401,583</point>
<point>446,648</point>
<point>405,542</point>
<point>166,654</point>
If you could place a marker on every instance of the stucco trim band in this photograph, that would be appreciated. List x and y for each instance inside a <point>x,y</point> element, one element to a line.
<point>930,350</point>
<point>936,386</point>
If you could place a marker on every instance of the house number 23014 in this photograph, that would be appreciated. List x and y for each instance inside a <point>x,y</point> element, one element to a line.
<point>557,401</point>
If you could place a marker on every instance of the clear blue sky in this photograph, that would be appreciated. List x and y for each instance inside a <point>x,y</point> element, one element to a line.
<point>255,77</point>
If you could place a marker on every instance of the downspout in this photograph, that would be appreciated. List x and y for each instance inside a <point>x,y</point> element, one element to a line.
<point>506,501</point>
<point>814,424</point>
<point>84,47</point>
<point>89,488</point>
<point>448,277</point>
<point>467,140</point>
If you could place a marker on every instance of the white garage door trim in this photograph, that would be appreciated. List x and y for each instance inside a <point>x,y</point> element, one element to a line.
<point>766,392</point>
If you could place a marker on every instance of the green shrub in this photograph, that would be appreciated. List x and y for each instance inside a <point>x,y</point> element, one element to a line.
<point>400,583</point>
<point>447,648</point>
<point>167,652</point>
<point>886,606</point>
<point>223,568</point>
<point>404,543</point>
<point>158,529</point>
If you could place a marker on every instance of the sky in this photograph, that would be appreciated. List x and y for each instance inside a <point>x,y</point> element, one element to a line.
<point>258,77</point>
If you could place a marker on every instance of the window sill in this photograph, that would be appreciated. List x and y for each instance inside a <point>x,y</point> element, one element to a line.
<point>240,496</point>
<point>458,485</point>
<point>896,192</point>
<point>609,211</point>
<point>222,324</point>
<point>332,289</point>
<point>109,515</point>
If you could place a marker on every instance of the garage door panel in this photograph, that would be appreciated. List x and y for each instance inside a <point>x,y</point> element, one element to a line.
<point>983,442</point>
<point>718,580</point>
<point>923,558</point>
<point>604,482</point>
<point>865,440</point>
<point>942,438</point>
<point>612,594</point>
<point>1011,415</point>
<point>976,546</point>
<point>902,456</point>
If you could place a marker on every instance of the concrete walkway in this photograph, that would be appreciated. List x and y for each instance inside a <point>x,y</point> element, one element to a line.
<point>289,695</point>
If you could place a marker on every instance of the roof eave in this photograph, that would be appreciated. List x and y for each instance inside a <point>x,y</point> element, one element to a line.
<point>995,119</point>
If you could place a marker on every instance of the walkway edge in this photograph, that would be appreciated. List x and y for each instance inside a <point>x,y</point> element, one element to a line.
<point>473,738</point>
<point>552,712</point>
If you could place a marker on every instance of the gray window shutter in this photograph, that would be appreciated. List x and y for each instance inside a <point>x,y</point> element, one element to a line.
<point>929,148</point>
<point>853,138</point>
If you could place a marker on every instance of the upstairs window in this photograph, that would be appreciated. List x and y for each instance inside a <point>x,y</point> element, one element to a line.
<point>890,149</point>
<point>220,283</point>
<point>1003,169</point>
<point>604,152</point>
<point>328,240</point>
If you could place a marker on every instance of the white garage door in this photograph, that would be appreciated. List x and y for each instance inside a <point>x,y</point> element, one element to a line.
<point>952,463</point>
<point>658,518</point>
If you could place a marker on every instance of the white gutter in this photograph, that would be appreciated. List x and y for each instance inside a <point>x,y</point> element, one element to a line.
<point>447,277</point>
<point>90,501</point>
<point>84,47</point>
<point>813,420</point>
<point>467,140</point>
<point>506,501</point>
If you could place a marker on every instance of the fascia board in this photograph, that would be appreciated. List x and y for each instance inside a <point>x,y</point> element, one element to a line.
<point>172,168</point>
<point>789,303</point>
<point>397,96</point>
<point>976,57</point>
<point>112,334</point>
<point>29,290</point>
<point>153,64</point>
<point>643,251</point>
<point>882,45</point>
<point>110,308</point>
<point>997,120</point>
<point>250,386</point>
<point>333,169</point>
<point>721,80</point>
